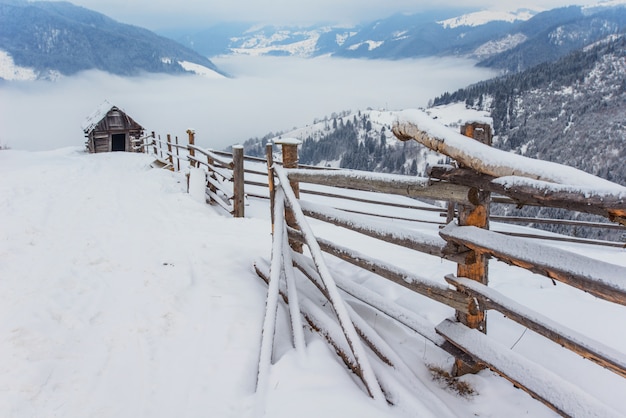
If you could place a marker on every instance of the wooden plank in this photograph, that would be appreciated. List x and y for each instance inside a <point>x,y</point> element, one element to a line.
<point>587,200</point>
<point>598,278</point>
<point>595,351</point>
<point>404,278</point>
<point>539,382</point>
<point>384,183</point>
<point>219,200</point>
<point>222,187</point>
<point>419,126</point>
<point>566,239</point>
<point>552,221</point>
<point>372,201</point>
<point>238,182</point>
<point>399,236</point>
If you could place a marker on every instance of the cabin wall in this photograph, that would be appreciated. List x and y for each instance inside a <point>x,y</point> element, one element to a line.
<point>116,122</point>
<point>103,141</point>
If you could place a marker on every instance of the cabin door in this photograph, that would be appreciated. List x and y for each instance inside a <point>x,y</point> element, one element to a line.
<point>118,142</point>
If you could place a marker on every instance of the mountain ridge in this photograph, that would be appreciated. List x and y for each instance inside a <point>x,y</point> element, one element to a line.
<point>53,39</point>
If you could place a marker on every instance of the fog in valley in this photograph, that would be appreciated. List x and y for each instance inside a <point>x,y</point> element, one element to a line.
<point>265,94</point>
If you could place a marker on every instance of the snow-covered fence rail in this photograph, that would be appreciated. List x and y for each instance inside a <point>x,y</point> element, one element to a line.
<point>525,180</point>
<point>464,245</point>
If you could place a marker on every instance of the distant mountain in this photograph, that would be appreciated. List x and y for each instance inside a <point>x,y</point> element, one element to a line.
<point>553,34</point>
<point>570,111</point>
<point>511,41</point>
<point>48,39</point>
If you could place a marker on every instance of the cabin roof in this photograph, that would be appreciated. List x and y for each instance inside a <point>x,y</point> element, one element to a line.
<point>98,114</point>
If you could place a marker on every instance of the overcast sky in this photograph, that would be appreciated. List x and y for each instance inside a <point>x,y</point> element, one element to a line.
<point>158,14</point>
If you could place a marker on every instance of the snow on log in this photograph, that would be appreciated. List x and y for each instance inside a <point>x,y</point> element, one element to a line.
<point>541,383</point>
<point>417,187</point>
<point>601,279</point>
<point>525,191</point>
<point>407,238</point>
<point>595,351</point>
<point>417,125</point>
<point>271,305</point>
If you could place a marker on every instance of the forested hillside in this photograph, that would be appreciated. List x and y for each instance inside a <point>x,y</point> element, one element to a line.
<point>571,112</point>
<point>360,141</point>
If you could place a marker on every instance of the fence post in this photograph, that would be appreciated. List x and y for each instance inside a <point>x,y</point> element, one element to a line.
<point>153,144</point>
<point>290,160</point>
<point>238,182</point>
<point>160,150</point>
<point>192,152</point>
<point>169,152</point>
<point>177,155</point>
<point>476,264</point>
<point>269,156</point>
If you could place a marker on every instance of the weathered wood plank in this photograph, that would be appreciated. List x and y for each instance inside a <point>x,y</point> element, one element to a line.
<point>404,278</point>
<point>417,125</point>
<point>601,279</point>
<point>540,383</point>
<point>384,183</point>
<point>587,200</point>
<point>366,226</point>
<point>590,349</point>
<point>238,182</point>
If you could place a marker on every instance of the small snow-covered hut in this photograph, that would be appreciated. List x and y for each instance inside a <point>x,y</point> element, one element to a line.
<point>109,129</point>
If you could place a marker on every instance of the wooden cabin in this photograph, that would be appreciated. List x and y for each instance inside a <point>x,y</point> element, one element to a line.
<point>110,129</point>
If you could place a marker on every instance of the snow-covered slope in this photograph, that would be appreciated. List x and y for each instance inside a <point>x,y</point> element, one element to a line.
<point>9,71</point>
<point>486,16</point>
<point>123,296</point>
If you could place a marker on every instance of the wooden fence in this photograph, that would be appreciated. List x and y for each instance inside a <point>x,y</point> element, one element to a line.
<point>467,242</point>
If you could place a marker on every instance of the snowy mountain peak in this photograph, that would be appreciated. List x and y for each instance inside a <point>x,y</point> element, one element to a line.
<point>487,16</point>
<point>605,4</point>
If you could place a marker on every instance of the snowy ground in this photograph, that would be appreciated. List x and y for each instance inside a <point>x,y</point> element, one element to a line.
<point>125,297</point>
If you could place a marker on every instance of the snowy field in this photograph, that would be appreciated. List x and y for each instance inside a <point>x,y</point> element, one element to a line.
<point>125,297</point>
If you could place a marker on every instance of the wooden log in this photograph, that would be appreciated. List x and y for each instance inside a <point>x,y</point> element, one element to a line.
<point>219,186</point>
<point>553,221</point>
<point>422,128</point>
<point>408,239</point>
<point>290,160</point>
<point>601,279</point>
<point>558,394</point>
<point>238,182</point>
<point>552,195</point>
<point>170,155</point>
<point>177,154</point>
<point>381,202</point>
<point>269,155</point>
<point>560,334</point>
<point>192,153</point>
<point>428,288</point>
<point>475,266</point>
<point>384,183</point>
<point>218,199</point>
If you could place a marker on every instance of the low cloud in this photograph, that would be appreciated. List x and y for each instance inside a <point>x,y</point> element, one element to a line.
<point>267,94</point>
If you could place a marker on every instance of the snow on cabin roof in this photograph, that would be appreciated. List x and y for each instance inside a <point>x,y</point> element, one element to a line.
<point>96,116</point>
<point>100,113</point>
